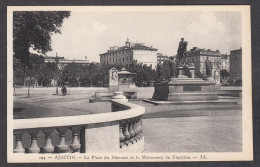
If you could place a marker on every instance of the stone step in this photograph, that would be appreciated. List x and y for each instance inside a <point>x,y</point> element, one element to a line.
<point>206,102</point>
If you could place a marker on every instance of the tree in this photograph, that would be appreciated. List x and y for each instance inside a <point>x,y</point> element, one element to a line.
<point>72,73</point>
<point>224,73</point>
<point>35,28</point>
<point>48,70</point>
<point>144,74</point>
<point>19,73</point>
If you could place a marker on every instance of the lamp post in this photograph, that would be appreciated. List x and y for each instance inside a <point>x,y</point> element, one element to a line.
<point>56,74</point>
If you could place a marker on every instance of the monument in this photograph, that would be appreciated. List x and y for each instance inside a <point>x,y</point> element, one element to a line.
<point>118,81</point>
<point>182,85</point>
<point>113,80</point>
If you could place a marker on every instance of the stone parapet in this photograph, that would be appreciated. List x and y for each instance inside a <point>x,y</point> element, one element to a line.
<point>117,131</point>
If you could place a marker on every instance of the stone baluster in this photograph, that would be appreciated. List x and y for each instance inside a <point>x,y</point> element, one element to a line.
<point>18,147</point>
<point>48,148</point>
<point>125,130</point>
<point>121,135</point>
<point>75,145</point>
<point>62,147</point>
<point>135,126</point>
<point>139,136</point>
<point>138,125</point>
<point>141,124</point>
<point>34,146</point>
<point>131,131</point>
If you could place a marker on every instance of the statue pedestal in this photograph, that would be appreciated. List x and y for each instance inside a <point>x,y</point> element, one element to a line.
<point>210,78</point>
<point>181,71</point>
<point>185,89</point>
<point>192,70</point>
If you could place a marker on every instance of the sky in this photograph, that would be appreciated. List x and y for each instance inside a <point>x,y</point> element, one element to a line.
<point>91,33</point>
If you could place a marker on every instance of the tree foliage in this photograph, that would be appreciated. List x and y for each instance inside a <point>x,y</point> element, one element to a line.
<point>73,74</point>
<point>35,29</point>
<point>19,72</point>
<point>224,73</point>
<point>94,74</point>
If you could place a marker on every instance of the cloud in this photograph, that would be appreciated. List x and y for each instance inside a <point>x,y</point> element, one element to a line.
<point>207,32</point>
<point>98,28</point>
<point>207,23</point>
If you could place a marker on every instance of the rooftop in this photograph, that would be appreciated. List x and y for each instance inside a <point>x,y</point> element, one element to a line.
<point>128,46</point>
<point>207,52</point>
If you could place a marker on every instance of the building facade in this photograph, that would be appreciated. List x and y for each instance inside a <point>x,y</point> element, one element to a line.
<point>199,56</point>
<point>129,53</point>
<point>225,62</point>
<point>236,63</point>
<point>62,62</point>
<point>162,58</point>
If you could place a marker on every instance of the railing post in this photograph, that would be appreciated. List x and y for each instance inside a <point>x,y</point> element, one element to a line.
<point>121,135</point>
<point>82,139</point>
<point>138,125</point>
<point>34,146</point>
<point>135,126</point>
<point>62,147</point>
<point>131,131</point>
<point>126,132</point>
<point>75,145</point>
<point>18,147</point>
<point>48,148</point>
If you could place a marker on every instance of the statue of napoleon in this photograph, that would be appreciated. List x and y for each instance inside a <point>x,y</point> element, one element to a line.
<point>182,51</point>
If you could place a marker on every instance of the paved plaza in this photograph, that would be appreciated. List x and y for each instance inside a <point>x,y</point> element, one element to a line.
<point>177,128</point>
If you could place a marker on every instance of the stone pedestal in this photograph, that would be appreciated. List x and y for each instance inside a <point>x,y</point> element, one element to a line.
<point>192,70</point>
<point>161,90</point>
<point>113,88</point>
<point>181,72</point>
<point>185,89</point>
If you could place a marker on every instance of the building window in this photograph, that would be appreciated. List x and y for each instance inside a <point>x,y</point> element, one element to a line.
<point>123,59</point>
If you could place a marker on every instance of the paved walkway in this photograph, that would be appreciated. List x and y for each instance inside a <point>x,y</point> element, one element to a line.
<point>193,134</point>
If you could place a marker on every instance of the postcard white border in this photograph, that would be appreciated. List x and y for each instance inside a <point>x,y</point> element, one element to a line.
<point>247,132</point>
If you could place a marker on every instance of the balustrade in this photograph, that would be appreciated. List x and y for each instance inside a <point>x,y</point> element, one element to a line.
<point>61,137</point>
<point>130,131</point>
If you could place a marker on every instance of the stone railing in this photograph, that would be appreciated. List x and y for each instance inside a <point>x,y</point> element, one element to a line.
<point>117,131</point>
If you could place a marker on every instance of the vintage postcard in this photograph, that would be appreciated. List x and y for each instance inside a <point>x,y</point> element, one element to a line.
<point>129,84</point>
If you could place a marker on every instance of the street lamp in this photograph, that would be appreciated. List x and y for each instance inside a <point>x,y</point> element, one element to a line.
<point>56,74</point>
